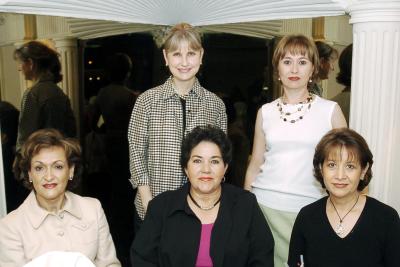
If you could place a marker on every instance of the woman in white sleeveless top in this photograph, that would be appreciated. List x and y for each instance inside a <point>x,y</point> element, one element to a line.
<point>286,133</point>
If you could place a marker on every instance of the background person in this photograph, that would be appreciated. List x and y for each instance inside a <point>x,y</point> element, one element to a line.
<point>44,105</point>
<point>53,218</point>
<point>162,116</point>
<point>115,103</point>
<point>286,133</point>
<point>15,192</point>
<point>327,58</point>
<point>345,228</point>
<point>344,77</point>
<point>206,222</point>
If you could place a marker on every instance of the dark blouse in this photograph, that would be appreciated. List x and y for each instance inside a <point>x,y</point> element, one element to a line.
<point>45,106</point>
<point>170,234</point>
<point>373,242</point>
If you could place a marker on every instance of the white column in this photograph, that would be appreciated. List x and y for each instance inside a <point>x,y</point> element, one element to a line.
<point>375,96</point>
<point>68,49</point>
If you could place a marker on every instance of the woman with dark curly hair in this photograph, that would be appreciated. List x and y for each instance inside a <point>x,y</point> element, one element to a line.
<point>206,222</point>
<point>346,228</point>
<point>51,217</point>
<point>44,105</point>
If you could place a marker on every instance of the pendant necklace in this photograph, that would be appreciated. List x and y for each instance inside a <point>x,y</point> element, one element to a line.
<point>339,230</point>
<point>204,208</point>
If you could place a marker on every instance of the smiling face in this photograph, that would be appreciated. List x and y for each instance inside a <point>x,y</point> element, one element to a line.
<point>295,71</point>
<point>49,173</point>
<point>205,168</point>
<point>342,173</point>
<point>183,62</point>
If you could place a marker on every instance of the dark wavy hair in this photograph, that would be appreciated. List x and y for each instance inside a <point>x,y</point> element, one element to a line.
<point>209,134</point>
<point>45,60</point>
<point>354,143</point>
<point>345,64</point>
<point>46,138</point>
<point>325,50</point>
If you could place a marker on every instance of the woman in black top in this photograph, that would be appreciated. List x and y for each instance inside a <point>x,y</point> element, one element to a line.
<point>206,222</point>
<point>44,105</point>
<point>347,228</point>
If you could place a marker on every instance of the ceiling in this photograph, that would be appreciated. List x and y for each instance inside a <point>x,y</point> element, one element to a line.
<point>170,12</point>
<point>97,18</point>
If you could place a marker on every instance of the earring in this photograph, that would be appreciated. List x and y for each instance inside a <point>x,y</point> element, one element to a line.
<point>30,181</point>
<point>279,78</point>
<point>310,81</point>
<point>71,177</point>
<point>223,179</point>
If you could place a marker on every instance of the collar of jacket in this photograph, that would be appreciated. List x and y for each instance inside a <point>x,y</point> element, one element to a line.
<point>223,223</point>
<point>37,214</point>
<point>169,89</point>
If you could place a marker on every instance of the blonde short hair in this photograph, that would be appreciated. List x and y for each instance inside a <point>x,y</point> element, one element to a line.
<point>182,32</point>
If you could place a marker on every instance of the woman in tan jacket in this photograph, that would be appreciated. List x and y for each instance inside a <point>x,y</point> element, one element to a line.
<point>52,218</point>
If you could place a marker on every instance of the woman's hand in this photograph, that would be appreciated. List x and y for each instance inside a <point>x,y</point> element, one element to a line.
<point>145,195</point>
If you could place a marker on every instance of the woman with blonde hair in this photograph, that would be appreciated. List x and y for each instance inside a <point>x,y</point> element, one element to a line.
<point>162,116</point>
<point>286,133</point>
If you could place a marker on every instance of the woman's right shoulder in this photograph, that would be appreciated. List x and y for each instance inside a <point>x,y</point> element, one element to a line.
<point>150,95</point>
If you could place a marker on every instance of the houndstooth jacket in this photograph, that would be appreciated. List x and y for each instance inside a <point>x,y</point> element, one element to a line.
<point>156,131</point>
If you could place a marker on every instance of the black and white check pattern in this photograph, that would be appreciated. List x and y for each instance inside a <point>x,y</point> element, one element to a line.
<point>155,134</point>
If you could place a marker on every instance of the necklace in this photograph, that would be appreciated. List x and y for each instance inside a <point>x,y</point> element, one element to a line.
<point>204,208</point>
<point>302,107</point>
<point>339,230</point>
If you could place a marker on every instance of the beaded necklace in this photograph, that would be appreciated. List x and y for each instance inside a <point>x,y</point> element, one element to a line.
<point>301,109</point>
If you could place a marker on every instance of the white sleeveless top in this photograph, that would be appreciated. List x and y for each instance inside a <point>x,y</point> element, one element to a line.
<point>286,180</point>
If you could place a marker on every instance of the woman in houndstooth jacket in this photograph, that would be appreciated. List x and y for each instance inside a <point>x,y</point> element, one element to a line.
<point>162,116</point>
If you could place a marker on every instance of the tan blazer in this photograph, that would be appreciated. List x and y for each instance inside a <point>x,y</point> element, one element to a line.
<point>80,226</point>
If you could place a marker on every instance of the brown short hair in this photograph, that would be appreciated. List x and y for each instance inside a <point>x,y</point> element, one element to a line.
<point>353,142</point>
<point>46,138</point>
<point>45,59</point>
<point>182,32</point>
<point>296,44</point>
